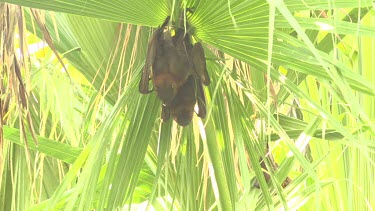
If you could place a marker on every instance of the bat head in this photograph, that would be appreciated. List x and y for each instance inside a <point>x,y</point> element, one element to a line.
<point>166,92</point>
<point>184,116</point>
<point>165,87</point>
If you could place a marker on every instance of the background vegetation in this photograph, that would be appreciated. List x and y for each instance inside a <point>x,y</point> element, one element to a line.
<point>298,75</point>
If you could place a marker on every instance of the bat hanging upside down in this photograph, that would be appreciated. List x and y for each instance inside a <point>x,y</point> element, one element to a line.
<point>177,69</point>
<point>182,106</point>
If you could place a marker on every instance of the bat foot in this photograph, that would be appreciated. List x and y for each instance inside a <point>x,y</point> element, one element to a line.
<point>166,21</point>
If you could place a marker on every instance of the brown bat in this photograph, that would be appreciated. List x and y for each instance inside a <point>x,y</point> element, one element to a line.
<point>153,45</point>
<point>177,69</point>
<point>169,63</point>
<point>194,54</point>
<point>164,66</point>
<point>182,106</point>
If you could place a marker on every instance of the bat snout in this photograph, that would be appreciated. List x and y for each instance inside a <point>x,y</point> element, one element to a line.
<point>184,117</point>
